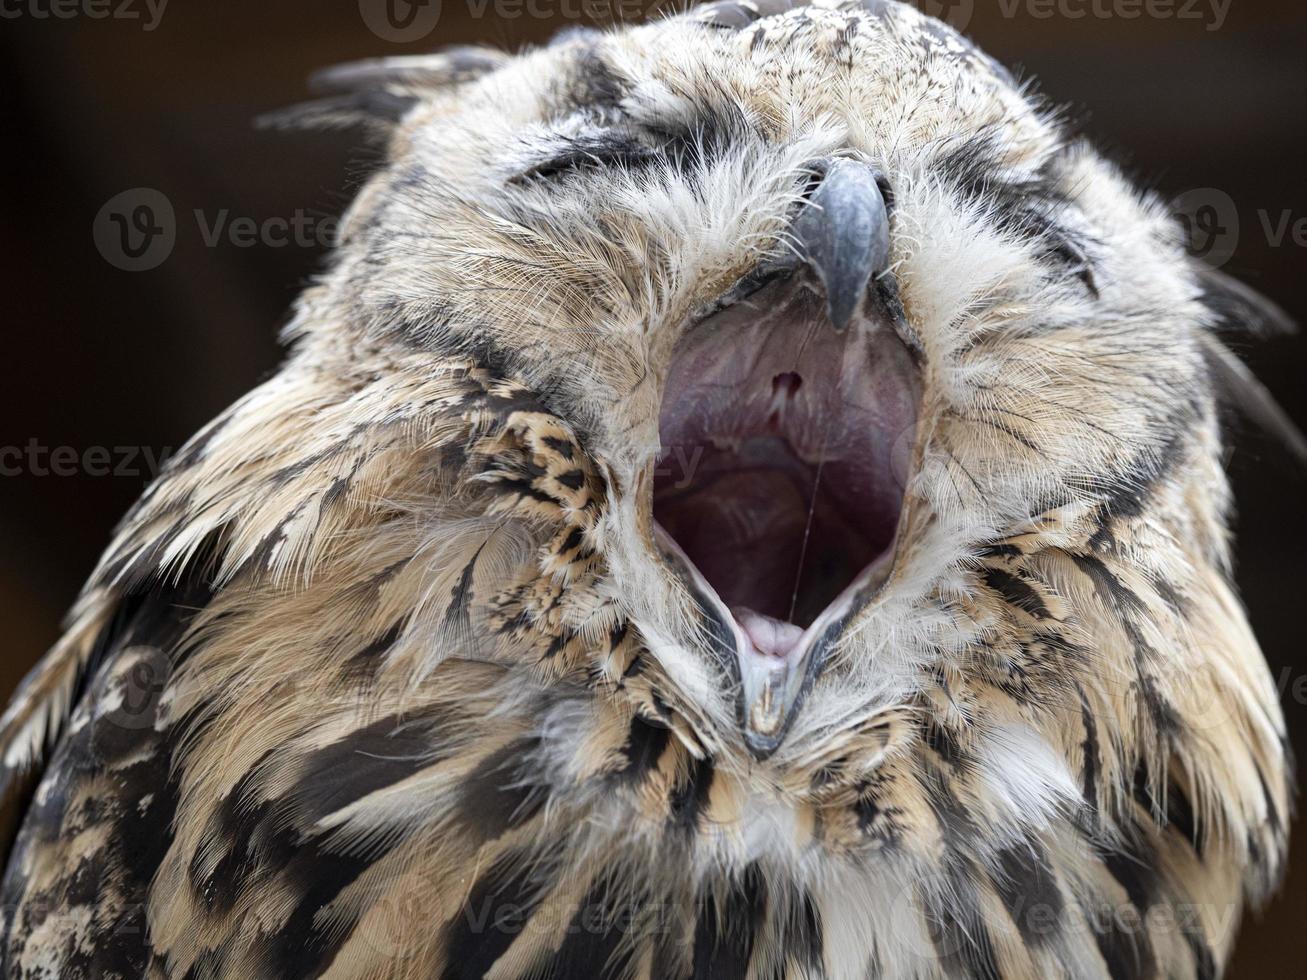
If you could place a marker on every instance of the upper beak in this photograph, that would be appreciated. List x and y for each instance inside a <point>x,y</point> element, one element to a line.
<point>842,233</point>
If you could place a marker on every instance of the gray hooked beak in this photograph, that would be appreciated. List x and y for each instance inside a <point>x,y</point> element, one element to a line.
<point>843,234</point>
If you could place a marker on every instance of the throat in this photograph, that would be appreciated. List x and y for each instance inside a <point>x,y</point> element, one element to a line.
<point>781,437</point>
<point>767,529</point>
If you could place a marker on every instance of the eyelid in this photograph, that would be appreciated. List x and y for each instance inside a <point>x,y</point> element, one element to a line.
<point>1074,256</point>
<point>1067,243</point>
<point>1062,242</point>
<point>579,153</point>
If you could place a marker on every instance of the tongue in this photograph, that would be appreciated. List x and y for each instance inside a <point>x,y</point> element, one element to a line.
<point>770,637</point>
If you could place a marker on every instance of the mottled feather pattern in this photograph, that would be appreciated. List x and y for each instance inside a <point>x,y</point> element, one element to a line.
<point>381,678</point>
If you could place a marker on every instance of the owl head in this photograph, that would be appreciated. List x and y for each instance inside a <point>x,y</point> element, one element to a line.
<point>835,312</point>
<point>758,471</point>
<point>794,380</point>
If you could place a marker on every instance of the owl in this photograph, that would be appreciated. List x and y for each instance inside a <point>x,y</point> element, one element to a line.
<point>744,501</point>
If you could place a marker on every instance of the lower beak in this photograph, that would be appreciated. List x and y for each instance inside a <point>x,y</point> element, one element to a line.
<point>772,683</point>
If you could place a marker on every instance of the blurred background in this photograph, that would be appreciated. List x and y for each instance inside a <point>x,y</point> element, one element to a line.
<point>117,354</point>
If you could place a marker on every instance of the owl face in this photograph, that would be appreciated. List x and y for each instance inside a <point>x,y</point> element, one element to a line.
<point>832,306</point>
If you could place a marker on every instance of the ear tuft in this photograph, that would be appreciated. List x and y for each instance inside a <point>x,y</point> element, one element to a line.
<point>376,93</point>
<point>375,112</point>
<point>1240,308</point>
<point>1244,392</point>
<point>413,73</point>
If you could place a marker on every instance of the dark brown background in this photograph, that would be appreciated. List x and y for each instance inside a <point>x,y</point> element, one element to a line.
<point>96,356</point>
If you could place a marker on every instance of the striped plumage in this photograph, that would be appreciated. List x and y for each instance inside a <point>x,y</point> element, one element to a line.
<point>387,676</point>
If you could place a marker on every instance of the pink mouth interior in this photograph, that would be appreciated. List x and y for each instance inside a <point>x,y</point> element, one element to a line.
<point>783,456</point>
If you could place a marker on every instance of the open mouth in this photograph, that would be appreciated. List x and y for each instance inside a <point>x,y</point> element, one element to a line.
<point>779,488</point>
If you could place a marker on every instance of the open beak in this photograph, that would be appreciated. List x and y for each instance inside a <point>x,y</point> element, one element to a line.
<point>792,401</point>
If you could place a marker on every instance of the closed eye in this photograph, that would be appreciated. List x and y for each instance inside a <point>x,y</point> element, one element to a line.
<point>1070,253</point>
<point>1036,213</point>
<point>1062,247</point>
<point>581,153</point>
<point>1034,208</point>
